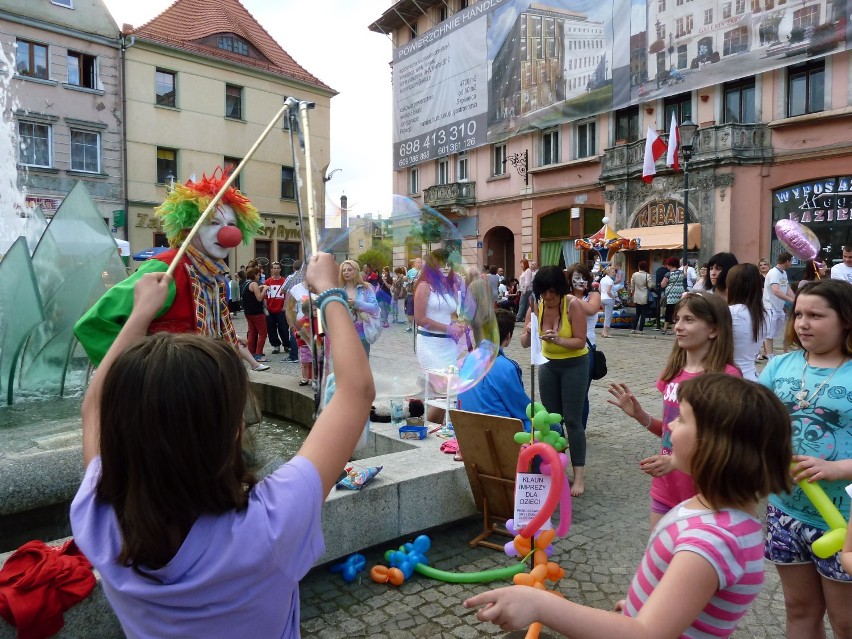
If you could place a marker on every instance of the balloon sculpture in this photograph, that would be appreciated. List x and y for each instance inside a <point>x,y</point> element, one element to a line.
<point>530,540</point>
<point>411,558</point>
<point>832,541</point>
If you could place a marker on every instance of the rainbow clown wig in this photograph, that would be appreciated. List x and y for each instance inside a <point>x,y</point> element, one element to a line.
<point>186,202</point>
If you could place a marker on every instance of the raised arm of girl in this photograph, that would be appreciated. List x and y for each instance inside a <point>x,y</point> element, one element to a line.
<point>690,581</point>
<point>149,296</point>
<point>626,401</point>
<point>336,431</point>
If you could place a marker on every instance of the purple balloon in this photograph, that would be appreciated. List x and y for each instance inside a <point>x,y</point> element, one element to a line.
<point>798,239</point>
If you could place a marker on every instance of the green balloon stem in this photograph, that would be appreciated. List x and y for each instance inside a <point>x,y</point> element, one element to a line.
<point>481,577</point>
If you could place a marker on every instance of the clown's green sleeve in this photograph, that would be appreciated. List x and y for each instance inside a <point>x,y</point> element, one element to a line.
<point>100,325</point>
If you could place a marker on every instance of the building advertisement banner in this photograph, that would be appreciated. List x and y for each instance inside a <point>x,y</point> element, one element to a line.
<point>500,67</point>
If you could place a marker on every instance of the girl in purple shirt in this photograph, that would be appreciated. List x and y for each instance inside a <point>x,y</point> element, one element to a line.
<point>186,541</point>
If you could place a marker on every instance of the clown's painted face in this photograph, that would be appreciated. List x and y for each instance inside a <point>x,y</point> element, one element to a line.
<point>207,239</point>
<point>578,281</point>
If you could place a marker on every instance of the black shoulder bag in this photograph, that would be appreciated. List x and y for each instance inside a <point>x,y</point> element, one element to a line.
<point>598,363</point>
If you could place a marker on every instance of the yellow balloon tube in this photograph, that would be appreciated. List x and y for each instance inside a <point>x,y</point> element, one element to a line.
<point>832,541</point>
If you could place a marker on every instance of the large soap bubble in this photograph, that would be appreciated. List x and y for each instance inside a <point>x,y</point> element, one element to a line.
<point>419,268</point>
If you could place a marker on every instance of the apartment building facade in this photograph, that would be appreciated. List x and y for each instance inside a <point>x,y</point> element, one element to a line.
<point>203,81</point>
<point>66,102</point>
<point>773,138</point>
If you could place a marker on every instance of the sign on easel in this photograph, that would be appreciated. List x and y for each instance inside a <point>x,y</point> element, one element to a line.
<point>531,491</point>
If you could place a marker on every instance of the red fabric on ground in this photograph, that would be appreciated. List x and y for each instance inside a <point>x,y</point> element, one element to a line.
<point>40,582</point>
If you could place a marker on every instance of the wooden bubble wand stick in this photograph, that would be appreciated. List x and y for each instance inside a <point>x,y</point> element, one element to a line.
<point>309,173</point>
<point>194,230</point>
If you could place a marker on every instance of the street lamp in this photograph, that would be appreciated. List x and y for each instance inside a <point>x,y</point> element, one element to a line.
<point>686,132</point>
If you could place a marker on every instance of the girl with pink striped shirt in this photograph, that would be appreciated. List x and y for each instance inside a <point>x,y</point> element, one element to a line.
<point>703,566</point>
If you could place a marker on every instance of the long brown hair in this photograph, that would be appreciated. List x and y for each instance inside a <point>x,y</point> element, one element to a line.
<point>171,416</point>
<point>745,286</point>
<point>743,447</point>
<point>712,309</point>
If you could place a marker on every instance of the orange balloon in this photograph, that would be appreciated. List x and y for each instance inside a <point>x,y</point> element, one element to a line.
<point>523,579</point>
<point>540,557</point>
<point>395,576</point>
<point>555,572</point>
<point>545,538</point>
<point>539,573</point>
<point>379,574</point>
<point>522,546</point>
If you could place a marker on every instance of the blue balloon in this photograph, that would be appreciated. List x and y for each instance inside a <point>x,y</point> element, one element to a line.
<point>350,568</point>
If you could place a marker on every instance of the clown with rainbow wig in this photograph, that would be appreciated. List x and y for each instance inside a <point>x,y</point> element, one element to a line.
<point>196,301</point>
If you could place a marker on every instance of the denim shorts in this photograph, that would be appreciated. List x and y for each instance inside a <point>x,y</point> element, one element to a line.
<point>788,542</point>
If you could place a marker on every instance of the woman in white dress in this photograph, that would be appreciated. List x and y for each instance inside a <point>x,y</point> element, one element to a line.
<point>745,298</point>
<point>436,297</point>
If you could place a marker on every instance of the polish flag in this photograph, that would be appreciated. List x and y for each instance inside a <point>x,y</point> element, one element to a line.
<point>674,145</point>
<point>654,150</point>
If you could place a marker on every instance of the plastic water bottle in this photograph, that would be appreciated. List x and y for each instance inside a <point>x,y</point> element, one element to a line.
<point>397,414</point>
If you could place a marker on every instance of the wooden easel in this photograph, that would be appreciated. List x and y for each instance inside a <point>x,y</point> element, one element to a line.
<point>490,457</point>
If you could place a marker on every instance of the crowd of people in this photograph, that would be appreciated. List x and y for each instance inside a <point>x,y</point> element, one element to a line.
<point>730,435</point>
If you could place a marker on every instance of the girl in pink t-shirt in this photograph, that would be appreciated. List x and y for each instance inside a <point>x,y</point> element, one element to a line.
<point>703,566</point>
<point>704,343</point>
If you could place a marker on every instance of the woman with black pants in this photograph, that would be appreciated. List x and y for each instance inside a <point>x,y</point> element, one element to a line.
<point>564,378</point>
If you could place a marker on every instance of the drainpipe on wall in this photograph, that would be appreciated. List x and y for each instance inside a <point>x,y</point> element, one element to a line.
<point>125,42</point>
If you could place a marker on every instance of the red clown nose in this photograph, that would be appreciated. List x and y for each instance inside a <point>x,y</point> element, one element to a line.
<point>229,236</point>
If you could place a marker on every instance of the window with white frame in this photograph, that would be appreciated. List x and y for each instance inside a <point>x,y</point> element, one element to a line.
<point>85,151</point>
<point>414,181</point>
<point>443,171</point>
<point>708,16</point>
<point>82,70</point>
<point>68,4</point>
<point>550,147</point>
<point>586,139</point>
<point>164,86</point>
<point>35,144</point>
<point>232,43</point>
<point>498,157</point>
<point>461,167</point>
<point>31,59</point>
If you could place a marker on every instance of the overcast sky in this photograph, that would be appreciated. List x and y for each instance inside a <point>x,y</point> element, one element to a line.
<point>330,39</point>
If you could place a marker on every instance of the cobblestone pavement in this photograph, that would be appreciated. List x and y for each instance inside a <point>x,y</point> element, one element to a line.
<point>599,554</point>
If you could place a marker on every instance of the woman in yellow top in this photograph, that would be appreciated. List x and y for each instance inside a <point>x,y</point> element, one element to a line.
<point>564,378</point>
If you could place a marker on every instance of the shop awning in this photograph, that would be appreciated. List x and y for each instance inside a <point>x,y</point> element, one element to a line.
<point>657,238</point>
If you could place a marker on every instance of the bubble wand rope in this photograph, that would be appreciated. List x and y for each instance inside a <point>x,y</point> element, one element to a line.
<point>194,230</point>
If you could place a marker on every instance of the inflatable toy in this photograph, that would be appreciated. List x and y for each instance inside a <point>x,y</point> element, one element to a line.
<point>798,239</point>
<point>832,541</point>
<point>350,568</point>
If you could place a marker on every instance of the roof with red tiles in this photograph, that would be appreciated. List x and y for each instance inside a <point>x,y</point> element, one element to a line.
<point>193,26</point>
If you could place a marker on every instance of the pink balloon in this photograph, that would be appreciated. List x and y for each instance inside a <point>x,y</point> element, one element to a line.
<point>798,239</point>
